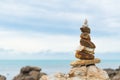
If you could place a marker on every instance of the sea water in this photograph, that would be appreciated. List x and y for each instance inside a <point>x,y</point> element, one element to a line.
<point>10,68</point>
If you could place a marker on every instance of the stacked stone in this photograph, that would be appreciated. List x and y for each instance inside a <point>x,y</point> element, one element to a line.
<point>85,52</point>
<point>85,68</point>
<point>86,49</point>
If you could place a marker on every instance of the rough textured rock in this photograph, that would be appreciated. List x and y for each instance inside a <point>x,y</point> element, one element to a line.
<point>114,74</point>
<point>2,77</point>
<point>111,72</point>
<point>60,76</point>
<point>88,73</point>
<point>29,73</point>
<point>116,77</point>
<point>28,78</point>
<point>35,75</point>
<point>44,77</point>
<point>57,76</point>
<point>96,73</point>
<point>85,62</point>
<point>80,73</point>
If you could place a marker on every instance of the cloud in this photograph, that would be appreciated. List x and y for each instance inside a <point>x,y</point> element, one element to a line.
<point>107,44</point>
<point>53,13</point>
<point>36,42</point>
<point>44,10</point>
<point>38,26</point>
<point>30,43</point>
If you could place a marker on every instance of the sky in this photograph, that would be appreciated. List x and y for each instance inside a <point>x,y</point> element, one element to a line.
<point>49,29</point>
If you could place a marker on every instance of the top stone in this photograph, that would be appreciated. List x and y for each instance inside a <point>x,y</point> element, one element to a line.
<point>85,28</point>
<point>86,23</point>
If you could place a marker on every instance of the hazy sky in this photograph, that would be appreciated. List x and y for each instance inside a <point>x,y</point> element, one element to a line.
<point>49,29</point>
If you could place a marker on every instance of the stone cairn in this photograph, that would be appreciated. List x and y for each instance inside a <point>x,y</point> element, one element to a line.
<point>84,68</point>
<point>85,52</point>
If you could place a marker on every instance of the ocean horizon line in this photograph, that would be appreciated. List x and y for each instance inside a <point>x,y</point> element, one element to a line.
<point>57,59</point>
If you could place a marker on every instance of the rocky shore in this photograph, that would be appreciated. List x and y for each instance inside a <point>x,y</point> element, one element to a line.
<point>75,73</point>
<point>29,73</point>
<point>80,73</point>
<point>114,74</point>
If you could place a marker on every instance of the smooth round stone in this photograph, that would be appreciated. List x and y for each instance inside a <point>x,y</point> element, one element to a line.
<point>85,62</point>
<point>85,36</point>
<point>85,29</point>
<point>87,43</point>
<point>84,55</point>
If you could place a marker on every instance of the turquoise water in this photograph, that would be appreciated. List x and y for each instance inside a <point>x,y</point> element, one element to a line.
<point>10,68</point>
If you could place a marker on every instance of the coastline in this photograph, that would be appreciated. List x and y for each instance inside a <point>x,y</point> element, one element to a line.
<point>10,68</point>
<point>114,74</point>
